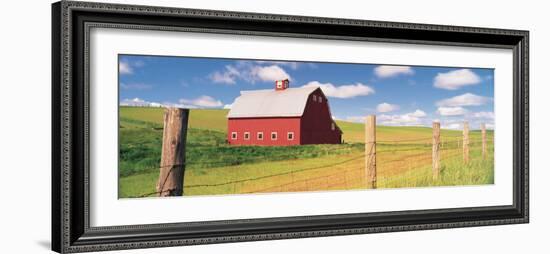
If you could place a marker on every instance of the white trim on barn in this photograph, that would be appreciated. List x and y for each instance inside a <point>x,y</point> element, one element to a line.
<point>290,135</point>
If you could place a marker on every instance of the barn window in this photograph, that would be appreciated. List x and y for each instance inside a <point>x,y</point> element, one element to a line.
<point>274,136</point>
<point>260,136</point>
<point>247,136</point>
<point>290,136</point>
<point>233,135</point>
<point>320,99</point>
<point>332,126</point>
<point>314,97</point>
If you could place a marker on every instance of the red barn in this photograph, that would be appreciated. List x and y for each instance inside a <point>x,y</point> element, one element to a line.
<point>281,117</point>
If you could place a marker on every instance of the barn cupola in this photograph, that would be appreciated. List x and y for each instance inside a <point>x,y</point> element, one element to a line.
<point>281,85</point>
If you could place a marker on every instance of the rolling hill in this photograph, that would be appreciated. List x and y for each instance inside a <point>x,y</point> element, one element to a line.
<point>214,167</point>
<point>215,119</point>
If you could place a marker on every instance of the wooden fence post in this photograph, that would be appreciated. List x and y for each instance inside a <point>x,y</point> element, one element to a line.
<point>483,142</point>
<point>466,143</point>
<point>172,162</point>
<point>370,151</point>
<point>435,149</point>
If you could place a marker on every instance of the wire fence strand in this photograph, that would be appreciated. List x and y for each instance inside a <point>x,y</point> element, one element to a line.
<point>398,162</point>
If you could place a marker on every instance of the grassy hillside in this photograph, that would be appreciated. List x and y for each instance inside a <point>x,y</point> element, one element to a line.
<point>215,119</point>
<point>141,142</point>
<point>210,119</point>
<point>213,167</point>
<point>355,132</point>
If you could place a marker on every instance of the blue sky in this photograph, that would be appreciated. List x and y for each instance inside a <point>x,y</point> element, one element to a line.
<point>398,95</point>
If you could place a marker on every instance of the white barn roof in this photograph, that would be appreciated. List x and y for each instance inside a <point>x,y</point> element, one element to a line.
<point>290,102</point>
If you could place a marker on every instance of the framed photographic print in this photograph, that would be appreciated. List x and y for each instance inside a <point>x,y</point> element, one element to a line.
<point>182,126</point>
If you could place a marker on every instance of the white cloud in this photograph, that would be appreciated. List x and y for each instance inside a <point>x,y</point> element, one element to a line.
<point>452,126</point>
<point>484,115</point>
<point>135,86</point>
<point>223,78</point>
<point>451,111</point>
<point>228,106</point>
<point>179,105</point>
<point>268,73</point>
<point>342,91</point>
<point>474,119</point>
<point>408,119</point>
<point>138,63</point>
<point>386,71</point>
<point>456,79</point>
<point>291,65</point>
<point>459,125</point>
<point>199,102</point>
<point>124,68</point>
<point>127,67</point>
<point>203,101</point>
<point>228,76</point>
<point>131,101</point>
<point>386,107</point>
<point>355,119</point>
<point>249,72</point>
<point>418,113</point>
<point>137,102</point>
<point>466,99</point>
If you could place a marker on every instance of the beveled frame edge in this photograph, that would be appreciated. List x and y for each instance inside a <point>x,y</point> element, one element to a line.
<point>70,229</point>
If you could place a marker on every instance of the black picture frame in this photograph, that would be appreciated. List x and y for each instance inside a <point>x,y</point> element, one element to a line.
<point>71,22</point>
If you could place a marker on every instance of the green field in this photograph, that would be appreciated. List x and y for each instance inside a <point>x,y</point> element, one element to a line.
<point>213,167</point>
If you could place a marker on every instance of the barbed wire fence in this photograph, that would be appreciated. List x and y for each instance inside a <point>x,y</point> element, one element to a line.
<point>397,163</point>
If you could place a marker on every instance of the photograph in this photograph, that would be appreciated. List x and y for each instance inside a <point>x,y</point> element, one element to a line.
<point>218,126</point>
<point>181,124</point>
